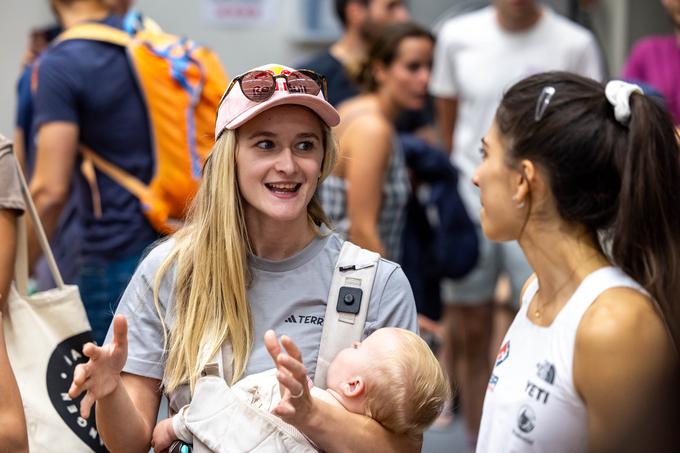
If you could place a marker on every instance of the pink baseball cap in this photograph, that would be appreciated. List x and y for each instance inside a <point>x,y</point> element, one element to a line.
<point>236,109</point>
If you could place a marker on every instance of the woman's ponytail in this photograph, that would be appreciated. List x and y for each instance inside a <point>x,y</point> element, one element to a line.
<point>646,231</point>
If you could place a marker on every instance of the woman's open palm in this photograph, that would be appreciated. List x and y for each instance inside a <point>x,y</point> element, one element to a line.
<point>100,376</point>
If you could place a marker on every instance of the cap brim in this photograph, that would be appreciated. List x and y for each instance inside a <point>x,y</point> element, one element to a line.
<point>322,108</point>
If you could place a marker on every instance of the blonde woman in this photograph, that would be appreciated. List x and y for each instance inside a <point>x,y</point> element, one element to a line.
<point>254,255</point>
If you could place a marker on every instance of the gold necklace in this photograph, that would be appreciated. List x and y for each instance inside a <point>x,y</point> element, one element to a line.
<point>537,310</point>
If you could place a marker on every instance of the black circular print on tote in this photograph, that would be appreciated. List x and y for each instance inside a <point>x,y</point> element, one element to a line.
<point>63,361</point>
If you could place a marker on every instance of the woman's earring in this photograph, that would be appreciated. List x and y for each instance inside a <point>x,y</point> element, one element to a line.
<point>519,205</point>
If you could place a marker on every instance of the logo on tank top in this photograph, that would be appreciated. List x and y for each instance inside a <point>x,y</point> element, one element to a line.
<point>493,380</point>
<point>304,319</point>
<point>503,353</point>
<point>526,422</point>
<point>526,419</point>
<point>546,371</point>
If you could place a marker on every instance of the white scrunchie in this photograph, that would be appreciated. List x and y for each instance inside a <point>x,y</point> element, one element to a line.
<point>618,94</point>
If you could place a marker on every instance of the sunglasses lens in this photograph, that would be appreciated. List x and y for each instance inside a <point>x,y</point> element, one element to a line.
<point>258,86</point>
<point>304,83</point>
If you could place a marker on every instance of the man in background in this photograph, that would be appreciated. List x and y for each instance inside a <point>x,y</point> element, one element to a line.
<point>86,94</point>
<point>342,62</point>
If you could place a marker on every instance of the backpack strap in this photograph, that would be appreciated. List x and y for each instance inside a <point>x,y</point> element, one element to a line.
<point>347,305</point>
<point>95,32</point>
<point>132,184</point>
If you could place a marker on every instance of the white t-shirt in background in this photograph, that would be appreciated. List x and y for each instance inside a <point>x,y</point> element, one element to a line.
<point>476,61</point>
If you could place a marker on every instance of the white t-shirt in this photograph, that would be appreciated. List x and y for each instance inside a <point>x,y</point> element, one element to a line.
<point>531,403</point>
<point>288,296</point>
<point>476,61</point>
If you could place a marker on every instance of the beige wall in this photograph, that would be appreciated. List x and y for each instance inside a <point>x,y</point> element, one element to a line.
<point>16,19</point>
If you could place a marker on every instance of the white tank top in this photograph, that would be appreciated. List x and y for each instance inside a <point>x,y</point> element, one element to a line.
<point>531,404</point>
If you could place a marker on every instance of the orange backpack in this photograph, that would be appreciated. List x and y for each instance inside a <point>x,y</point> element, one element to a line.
<point>182,84</point>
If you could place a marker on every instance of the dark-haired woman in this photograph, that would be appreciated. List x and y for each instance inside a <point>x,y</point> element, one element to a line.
<point>587,179</point>
<point>366,195</point>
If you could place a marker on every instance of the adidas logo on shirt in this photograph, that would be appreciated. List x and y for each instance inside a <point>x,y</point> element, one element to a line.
<point>304,319</point>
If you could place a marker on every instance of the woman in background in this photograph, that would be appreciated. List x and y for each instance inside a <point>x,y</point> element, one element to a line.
<point>366,195</point>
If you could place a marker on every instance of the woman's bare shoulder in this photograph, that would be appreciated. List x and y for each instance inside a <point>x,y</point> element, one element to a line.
<point>623,326</point>
<point>620,312</point>
<point>362,114</point>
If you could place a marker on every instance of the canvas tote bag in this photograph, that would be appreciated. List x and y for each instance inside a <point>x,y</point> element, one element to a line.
<point>45,333</point>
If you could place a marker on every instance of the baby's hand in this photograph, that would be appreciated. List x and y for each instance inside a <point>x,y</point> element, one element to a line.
<point>163,436</point>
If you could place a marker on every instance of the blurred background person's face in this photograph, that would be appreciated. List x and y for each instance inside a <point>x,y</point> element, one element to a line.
<point>673,8</point>
<point>387,11</point>
<point>383,12</point>
<point>406,78</point>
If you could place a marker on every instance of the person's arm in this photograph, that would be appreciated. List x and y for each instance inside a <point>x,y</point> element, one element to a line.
<point>319,420</point>
<point>8,233</point>
<point>13,436</point>
<point>359,433</point>
<point>19,151</point>
<point>623,370</point>
<point>368,146</point>
<point>446,114</point>
<point>50,184</point>
<point>127,404</point>
<point>444,83</point>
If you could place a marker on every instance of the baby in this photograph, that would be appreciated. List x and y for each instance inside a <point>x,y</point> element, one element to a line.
<point>392,376</point>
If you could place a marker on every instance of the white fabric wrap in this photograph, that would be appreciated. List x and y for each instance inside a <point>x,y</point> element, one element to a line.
<point>618,94</point>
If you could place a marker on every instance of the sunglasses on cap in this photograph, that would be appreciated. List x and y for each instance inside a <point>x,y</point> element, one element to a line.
<point>260,85</point>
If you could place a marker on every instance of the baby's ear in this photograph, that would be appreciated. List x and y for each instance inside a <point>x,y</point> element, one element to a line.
<point>354,387</point>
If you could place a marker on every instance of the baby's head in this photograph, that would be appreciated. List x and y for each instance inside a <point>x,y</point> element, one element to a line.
<point>393,377</point>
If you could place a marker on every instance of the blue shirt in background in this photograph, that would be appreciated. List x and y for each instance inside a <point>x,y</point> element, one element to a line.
<point>91,83</point>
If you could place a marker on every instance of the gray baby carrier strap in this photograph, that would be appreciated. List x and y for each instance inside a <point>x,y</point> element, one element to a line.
<point>346,305</point>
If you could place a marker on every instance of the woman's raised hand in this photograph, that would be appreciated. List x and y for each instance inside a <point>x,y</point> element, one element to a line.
<point>100,376</point>
<point>296,401</point>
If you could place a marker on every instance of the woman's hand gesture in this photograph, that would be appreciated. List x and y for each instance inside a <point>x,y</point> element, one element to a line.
<point>100,376</point>
<point>296,403</point>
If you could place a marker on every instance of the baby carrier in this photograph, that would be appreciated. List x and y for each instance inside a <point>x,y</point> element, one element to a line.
<point>250,429</point>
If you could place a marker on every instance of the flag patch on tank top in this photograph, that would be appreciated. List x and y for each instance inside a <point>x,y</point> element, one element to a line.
<point>504,353</point>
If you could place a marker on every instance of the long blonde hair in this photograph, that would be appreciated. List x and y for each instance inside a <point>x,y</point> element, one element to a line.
<point>212,275</point>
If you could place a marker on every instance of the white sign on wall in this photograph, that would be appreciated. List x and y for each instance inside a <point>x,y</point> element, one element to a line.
<point>239,12</point>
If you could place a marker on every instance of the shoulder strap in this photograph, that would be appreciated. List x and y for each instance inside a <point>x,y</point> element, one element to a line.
<point>95,32</point>
<point>347,305</point>
<point>129,182</point>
